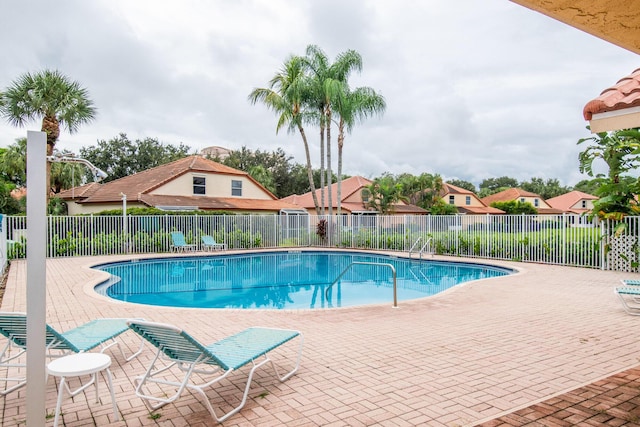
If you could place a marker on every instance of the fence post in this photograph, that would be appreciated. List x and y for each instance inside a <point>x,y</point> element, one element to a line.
<point>564,238</point>
<point>603,257</point>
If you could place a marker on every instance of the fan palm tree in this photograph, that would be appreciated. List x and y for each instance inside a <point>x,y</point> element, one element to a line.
<point>285,96</point>
<point>51,96</point>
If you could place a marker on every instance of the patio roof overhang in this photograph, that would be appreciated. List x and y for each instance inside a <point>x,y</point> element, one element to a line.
<point>615,21</point>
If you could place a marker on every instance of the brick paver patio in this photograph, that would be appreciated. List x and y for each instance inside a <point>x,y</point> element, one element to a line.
<point>493,352</point>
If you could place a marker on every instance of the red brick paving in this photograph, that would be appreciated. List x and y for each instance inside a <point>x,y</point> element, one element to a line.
<point>613,401</point>
<point>528,349</point>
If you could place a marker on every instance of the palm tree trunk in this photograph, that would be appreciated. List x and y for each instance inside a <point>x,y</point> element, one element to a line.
<point>329,172</point>
<point>51,127</point>
<point>322,204</point>
<point>309,169</point>
<point>340,145</point>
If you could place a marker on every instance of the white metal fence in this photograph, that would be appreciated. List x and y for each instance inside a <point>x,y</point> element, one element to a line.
<point>561,239</point>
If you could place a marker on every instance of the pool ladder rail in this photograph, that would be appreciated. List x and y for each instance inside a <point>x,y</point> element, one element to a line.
<point>383,264</point>
<point>422,249</point>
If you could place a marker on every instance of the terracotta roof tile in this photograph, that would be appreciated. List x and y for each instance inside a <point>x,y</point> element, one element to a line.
<point>507,195</point>
<point>480,210</point>
<point>566,201</point>
<point>624,94</point>
<point>452,189</point>
<point>350,186</point>
<point>216,203</point>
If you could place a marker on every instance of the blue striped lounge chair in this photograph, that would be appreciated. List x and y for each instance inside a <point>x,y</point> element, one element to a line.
<point>97,333</point>
<point>214,362</point>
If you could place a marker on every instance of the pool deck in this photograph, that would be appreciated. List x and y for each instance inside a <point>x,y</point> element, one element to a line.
<point>549,346</point>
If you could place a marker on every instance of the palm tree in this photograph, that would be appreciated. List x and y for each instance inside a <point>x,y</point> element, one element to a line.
<point>353,107</point>
<point>285,96</point>
<point>317,63</point>
<point>328,83</point>
<point>51,96</point>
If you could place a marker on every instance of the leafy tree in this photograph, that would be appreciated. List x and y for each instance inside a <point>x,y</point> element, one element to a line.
<point>13,163</point>
<point>546,190</point>
<point>52,97</point>
<point>276,168</point>
<point>120,157</point>
<point>13,168</point>
<point>589,186</point>
<point>463,184</point>
<point>515,207</point>
<point>620,150</point>
<point>8,205</point>
<point>263,176</point>
<point>491,186</point>
<point>66,175</point>
<point>384,192</point>
<point>285,96</point>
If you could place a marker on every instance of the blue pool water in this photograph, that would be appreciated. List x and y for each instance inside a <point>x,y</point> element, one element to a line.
<point>283,280</point>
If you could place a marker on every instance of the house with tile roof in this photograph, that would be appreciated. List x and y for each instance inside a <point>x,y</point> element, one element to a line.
<point>190,183</point>
<point>576,205</point>
<point>617,107</point>
<point>515,194</point>
<point>467,202</point>
<point>353,199</point>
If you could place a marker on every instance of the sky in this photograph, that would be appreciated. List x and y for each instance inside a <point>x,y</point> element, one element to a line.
<point>474,89</point>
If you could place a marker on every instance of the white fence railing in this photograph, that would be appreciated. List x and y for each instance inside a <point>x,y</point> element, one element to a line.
<point>551,239</point>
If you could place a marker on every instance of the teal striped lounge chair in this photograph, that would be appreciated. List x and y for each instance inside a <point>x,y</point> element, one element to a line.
<point>179,350</point>
<point>630,298</point>
<point>209,244</point>
<point>97,333</point>
<point>179,244</point>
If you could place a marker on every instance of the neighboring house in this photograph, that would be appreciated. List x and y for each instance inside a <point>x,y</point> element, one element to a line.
<point>574,202</point>
<point>352,200</point>
<point>516,194</point>
<point>466,201</point>
<point>187,184</point>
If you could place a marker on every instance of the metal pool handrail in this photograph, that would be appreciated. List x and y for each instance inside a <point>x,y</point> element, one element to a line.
<point>383,264</point>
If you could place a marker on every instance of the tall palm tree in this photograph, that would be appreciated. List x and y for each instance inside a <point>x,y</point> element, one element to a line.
<point>317,63</point>
<point>285,96</point>
<point>354,107</point>
<point>51,96</point>
<point>329,80</point>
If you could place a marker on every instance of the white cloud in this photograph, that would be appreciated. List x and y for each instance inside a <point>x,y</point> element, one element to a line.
<point>473,89</point>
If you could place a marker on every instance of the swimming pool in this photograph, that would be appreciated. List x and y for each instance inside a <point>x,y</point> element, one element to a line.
<point>283,280</point>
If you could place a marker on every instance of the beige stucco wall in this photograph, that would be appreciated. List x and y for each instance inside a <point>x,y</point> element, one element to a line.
<point>578,205</point>
<point>354,198</point>
<point>461,200</point>
<point>541,203</point>
<point>216,186</point>
<point>76,209</point>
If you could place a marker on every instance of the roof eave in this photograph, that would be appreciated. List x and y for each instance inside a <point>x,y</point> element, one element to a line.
<point>625,118</point>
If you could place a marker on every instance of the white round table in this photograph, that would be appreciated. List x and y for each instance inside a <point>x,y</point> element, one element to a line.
<point>77,365</point>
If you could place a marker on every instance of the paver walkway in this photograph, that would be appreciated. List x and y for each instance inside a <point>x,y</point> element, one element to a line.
<point>612,401</point>
<point>461,358</point>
